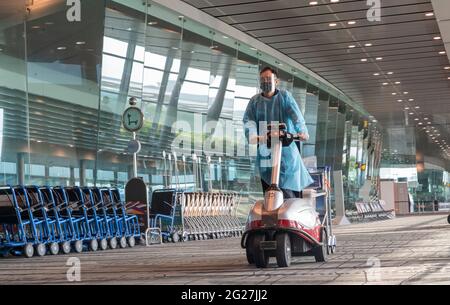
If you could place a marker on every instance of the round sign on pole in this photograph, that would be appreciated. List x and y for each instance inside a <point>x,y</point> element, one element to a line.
<point>134,146</point>
<point>133,119</point>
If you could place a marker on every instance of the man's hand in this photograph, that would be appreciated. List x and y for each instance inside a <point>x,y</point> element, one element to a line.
<point>303,136</point>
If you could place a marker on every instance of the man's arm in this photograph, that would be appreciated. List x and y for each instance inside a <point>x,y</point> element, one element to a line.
<point>297,118</point>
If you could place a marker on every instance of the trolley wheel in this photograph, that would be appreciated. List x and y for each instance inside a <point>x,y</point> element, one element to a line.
<point>185,236</point>
<point>248,250</point>
<point>54,248</point>
<point>28,250</point>
<point>333,245</point>
<point>93,245</point>
<point>448,219</point>
<point>175,237</point>
<point>103,244</point>
<point>260,257</point>
<point>113,243</point>
<point>41,250</point>
<point>283,252</point>
<point>78,246</point>
<point>65,247</point>
<point>320,252</point>
<point>131,241</point>
<point>123,242</point>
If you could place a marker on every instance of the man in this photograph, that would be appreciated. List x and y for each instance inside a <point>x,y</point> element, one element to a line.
<point>273,105</point>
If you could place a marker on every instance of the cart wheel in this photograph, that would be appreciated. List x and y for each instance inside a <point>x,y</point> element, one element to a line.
<point>448,219</point>
<point>54,248</point>
<point>65,247</point>
<point>260,257</point>
<point>283,252</point>
<point>123,242</point>
<point>185,236</point>
<point>93,245</point>
<point>113,243</point>
<point>131,241</point>
<point>103,244</point>
<point>175,237</point>
<point>320,252</point>
<point>28,250</point>
<point>248,250</point>
<point>41,249</point>
<point>78,246</point>
<point>333,245</point>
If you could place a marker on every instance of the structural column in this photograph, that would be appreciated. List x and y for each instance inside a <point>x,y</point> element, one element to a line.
<point>72,176</point>
<point>21,168</point>
<point>82,172</point>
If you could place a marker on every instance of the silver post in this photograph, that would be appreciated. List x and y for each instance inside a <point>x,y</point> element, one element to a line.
<point>135,174</point>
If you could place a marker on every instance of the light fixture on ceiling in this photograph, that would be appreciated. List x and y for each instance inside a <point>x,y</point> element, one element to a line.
<point>313,3</point>
<point>385,84</point>
<point>390,73</point>
<point>368,45</point>
<point>399,101</point>
<point>61,48</point>
<point>417,107</point>
<point>352,46</point>
<point>406,108</point>
<point>406,92</point>
<point>80,42</point>
<point>442,53</point>
<point>333,24</point>
<point>446,68</point>
<point>334,1</point>
<point>351,22</point>
<point>411,113</point>
<point>152,23</point>
<point>437,38</point>
<point>364,59</point>
<point>397,83</point>
<point>379,58</point>
<point>376,74</point>
<point>429,14</point>
<point>411,100</point>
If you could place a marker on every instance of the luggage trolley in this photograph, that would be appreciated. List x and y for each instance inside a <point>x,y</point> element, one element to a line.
<point>322,185</point>
<point>19,229</point>
<point>166,213</point>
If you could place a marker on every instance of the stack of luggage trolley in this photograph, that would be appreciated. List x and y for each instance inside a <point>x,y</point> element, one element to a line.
<point>36,220</point>
<point>178,214</point>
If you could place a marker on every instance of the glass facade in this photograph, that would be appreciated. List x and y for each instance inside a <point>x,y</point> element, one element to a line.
<point>68,72</point>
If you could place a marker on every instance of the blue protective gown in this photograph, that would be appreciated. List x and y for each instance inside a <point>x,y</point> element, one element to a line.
<point>283,108</point>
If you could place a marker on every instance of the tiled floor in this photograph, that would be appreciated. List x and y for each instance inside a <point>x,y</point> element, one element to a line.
<point>409,250</point>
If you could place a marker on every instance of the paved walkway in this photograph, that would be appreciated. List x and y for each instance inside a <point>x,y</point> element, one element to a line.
<point>409,250</point>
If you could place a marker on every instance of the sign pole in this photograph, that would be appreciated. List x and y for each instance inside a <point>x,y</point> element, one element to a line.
<point>135,174</point>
